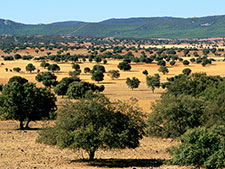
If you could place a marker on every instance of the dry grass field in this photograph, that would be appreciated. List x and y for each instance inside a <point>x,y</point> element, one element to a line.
<point>18,149</point>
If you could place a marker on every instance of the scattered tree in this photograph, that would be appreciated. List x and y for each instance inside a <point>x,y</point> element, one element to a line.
<point>153,81</point>
<point>163,69</point>
<point>186,62</point>
<point>44,64</point>
<point>76,66</point>
<point>133,83</point>
<point>87,70</point>
<point>47,78</point>
<point>145,72</point>
<point>53,68</point>
<point>97,76</point>
<point>16,69</point>
<point>114,74</point>
<point>77,90</point>
<point>25,102</point>
<point>96,123</point>
<point>30,67</point>
<point>124,66</point>
<point>186,71</point>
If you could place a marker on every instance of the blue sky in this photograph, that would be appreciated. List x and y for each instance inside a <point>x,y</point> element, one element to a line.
<point>47,11</point>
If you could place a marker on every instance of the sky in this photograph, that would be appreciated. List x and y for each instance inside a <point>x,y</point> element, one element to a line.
<point>48,11</point>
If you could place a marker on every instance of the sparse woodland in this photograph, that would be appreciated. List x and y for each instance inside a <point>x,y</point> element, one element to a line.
<point>75,86</point>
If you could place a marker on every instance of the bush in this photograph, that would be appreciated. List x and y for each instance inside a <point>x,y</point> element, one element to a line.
<point>173,115</point>
<point>200,147</point>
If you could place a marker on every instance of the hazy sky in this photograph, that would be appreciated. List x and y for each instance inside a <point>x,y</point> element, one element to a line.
<point>47,11</point>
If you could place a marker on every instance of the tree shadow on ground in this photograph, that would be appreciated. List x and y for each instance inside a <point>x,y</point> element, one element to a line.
<point>29,129</point>
<point>107,83</point>
<point>120,163</point>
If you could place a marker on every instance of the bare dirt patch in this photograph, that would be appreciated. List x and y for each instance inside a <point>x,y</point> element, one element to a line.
<point>18,149</point>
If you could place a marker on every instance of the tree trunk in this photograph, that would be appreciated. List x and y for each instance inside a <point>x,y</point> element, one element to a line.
<point>91,155</point>
<point>27,124</point>
<point>21,125</point>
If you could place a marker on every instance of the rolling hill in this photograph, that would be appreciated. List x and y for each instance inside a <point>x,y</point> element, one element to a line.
<point>153,27</point>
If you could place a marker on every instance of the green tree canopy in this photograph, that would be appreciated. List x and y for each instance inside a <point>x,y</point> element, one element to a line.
<point>186,71</point>
<point>18,79</point>
<point>163,69</point>
<point>26,102</point>
<point>124,66</point>
<point>114,74</point>
<point>133,83</point>
<point>44,64</point>
<point>186,62</point>
<point>97,76</point>
<point>173,115</point>
<point>62,87</point>
<point>76,66</point>
<point>53,67</point>
<point>98,68</point>
<point>74,73</point>
<point>194,85</point>
<point>200,147</point>
<point>153,81</point>
<point>77,90</point>
<point>47,78</point>
<point>145,72</point>
<point>87,70</point>
<point>96,123</point>
<point>30,67</point>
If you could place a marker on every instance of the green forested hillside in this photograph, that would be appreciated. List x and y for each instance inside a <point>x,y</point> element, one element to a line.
<point>158,27</point>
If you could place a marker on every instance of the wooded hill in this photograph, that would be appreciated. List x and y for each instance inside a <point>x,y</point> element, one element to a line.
<point>153,27</point>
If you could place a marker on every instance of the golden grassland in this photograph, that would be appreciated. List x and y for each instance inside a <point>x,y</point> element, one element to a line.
<point>115,89</point>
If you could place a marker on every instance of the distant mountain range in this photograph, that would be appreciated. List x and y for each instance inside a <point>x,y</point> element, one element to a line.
<point>153,27</point>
